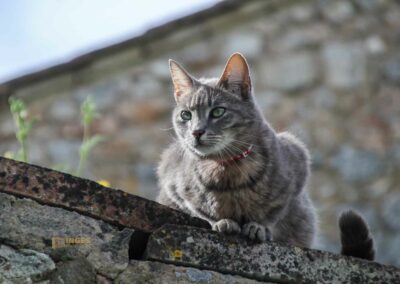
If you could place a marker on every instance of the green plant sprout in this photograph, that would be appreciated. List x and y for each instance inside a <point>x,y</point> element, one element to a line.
<point>89,113</point>
<point>24,126</point>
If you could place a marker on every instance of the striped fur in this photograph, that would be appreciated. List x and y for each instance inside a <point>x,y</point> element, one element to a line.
<point>262,196</point>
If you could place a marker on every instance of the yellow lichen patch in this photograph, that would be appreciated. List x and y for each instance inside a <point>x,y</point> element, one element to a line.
<point>104,183</point>
<point>178,254</point>
<point>9,155</point>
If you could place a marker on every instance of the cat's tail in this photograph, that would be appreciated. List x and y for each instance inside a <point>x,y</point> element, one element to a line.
<point>356,238</point>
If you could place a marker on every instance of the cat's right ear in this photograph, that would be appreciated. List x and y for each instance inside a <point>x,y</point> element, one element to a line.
<point>183,82</point>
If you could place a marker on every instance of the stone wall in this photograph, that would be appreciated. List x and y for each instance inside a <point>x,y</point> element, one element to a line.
<point>329,71</point>
<point>57,228</point>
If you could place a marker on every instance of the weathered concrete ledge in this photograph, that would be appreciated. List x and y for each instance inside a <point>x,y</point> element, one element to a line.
<point>87,197</point>
<point>70,207</point>
<point>25,224</point>
<point>19,265</point>
<point>26,232</point>
<point>273,262</point>
<point>157,272</point>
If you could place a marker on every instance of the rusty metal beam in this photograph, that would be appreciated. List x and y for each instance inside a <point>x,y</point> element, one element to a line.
<point>88,197</point>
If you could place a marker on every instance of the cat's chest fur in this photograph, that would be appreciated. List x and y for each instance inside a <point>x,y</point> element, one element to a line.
<point>225,191</point>
<point>239,205</point>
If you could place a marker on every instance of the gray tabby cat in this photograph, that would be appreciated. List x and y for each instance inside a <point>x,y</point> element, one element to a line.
<point>229,167</point>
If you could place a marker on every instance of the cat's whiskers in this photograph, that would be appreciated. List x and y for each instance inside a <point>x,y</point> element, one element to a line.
<point>247,144</point>
<point>166,129</point>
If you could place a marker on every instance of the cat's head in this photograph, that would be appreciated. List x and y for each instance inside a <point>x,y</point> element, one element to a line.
<point>213,117</point>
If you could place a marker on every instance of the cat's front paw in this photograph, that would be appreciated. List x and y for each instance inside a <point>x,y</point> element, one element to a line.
<point>256,232</point>
<point>226,226</point>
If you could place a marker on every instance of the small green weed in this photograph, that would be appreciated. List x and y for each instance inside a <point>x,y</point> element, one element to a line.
<point>23,127</point>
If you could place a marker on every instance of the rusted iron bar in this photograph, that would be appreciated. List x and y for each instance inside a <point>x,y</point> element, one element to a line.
<point>88,197</point>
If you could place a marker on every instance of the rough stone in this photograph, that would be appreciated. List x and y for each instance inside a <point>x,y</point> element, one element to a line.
<point>392,70</point>
<point>196,53</point>
<point>324,98</point>
<point>64,152</point>
<point>396,153</point>
<point>63,190</point>
<point>375,45</point>
<point>103,94</point>
<point>265,262</point>
<point>28,227</point>
<point>300,38</point>
<point>78,271</point>
<point>290,73</point>
<point>146,174</point>
<point>345,64</point>
<point>160,68</point>
<point>24,266</point>
<point>390,248</point>
<point>64,110</point>
<point>149,272</point>
<point>357,165</point>
<point>7,128</point>
<point>112,257</point>
<point>302,13</point>
<point>337,11</point>
<point>369,5</point>
<point>250,44</point>
<point>391,211</point>
<point>145,87</point>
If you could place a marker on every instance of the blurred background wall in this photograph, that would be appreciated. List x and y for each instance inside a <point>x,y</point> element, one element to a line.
<point>328,71</point>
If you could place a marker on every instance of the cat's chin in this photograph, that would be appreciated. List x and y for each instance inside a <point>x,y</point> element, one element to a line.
<point>206,151</point>
<point>202,150</point>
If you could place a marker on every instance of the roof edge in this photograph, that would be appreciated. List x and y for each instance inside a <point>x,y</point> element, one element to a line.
<point>85,59</point>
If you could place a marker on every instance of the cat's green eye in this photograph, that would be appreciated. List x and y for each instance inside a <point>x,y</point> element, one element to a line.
<point>186,115</point>
<point>217,112</point>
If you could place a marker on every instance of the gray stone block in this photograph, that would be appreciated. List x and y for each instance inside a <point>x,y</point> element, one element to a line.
<point>337,11</point>
<point>26,224</point>
<point>345,64</point>
<point>78,271</point>
<point>290,73</point>
<point>157,272</point>
<point>250,44</point>
<point>391,211</point>
<point>392,70</point>
<point>357,165</point>
<point>24,265</point>
<point>205,249</point>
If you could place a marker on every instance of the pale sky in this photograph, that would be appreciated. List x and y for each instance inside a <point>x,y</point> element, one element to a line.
<point>35,34</point>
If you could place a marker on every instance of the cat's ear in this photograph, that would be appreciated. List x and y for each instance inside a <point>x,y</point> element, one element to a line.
<point>236,76</point>
<point>183,82</point>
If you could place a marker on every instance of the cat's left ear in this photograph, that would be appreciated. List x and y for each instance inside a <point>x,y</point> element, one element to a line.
<point>183,82</point>
<point>236,76</point>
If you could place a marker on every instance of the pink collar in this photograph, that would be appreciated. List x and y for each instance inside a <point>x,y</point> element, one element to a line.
<point>237,157</point>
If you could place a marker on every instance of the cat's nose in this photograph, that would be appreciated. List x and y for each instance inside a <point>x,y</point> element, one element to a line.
<point>198,132</point>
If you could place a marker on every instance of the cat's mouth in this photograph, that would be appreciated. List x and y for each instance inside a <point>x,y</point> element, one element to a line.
<point>207,148</point>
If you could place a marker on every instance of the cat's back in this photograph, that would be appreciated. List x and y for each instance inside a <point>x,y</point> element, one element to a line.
<point>294,159</point>
<point>293,147</point>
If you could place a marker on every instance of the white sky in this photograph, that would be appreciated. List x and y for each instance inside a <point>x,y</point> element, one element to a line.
<point>35,34</point>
